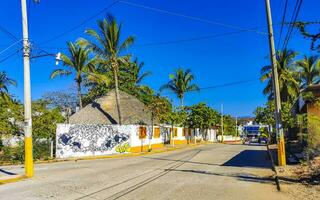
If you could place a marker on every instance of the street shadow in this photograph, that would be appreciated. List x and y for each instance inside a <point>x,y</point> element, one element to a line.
<point>238,176</point>
<point>6,172</point>
<point>250,158</point>
<point>192,162</point>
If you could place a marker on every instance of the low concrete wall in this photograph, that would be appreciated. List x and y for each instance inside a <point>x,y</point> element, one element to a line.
<point>228,138</point>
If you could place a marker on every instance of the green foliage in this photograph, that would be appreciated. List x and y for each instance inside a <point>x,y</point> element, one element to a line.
<point>44,120</point>
<point>308,70</point>
<point>265,114</point>
<point>229,125</point>
<point>5,82</point>
<point>122,148</point>
<point>79,64</point>
<point>13,154</point>
<point>160,108</point>
<point>180,83</point>
<point>314,37</point>
<point>288,84</point>
<point>202,116</point>
<point>11,116</point>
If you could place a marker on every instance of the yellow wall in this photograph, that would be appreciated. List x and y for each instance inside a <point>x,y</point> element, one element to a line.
<point>145,148</point>
<point>179,142</point>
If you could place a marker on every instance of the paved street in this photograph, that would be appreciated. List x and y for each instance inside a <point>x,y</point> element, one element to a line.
<point>212,171</point>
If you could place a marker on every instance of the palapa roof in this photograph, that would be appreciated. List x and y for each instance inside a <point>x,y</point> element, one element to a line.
<point>104,111</point>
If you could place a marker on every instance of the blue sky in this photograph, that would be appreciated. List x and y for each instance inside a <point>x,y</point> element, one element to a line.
<point>213,61</point>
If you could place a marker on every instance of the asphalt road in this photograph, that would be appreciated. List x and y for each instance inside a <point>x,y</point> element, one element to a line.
<point>212,171</point>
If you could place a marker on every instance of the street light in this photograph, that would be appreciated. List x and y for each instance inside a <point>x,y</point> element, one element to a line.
<point>57,56</point>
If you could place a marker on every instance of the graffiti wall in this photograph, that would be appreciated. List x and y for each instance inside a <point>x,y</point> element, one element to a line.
<point>77,140</point>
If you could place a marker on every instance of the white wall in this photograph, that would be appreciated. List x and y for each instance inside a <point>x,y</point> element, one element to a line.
<point>229,138</point>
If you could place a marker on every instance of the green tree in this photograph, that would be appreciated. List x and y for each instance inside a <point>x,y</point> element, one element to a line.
<point>229,125</point>
<point>309,71</point>
<point>289,86</point>
<point>44,120</point>
<point>79,62</point>
<point>180,83</point>
<point>109,49</point>
<point>5,81</point>
<point>202,116</point>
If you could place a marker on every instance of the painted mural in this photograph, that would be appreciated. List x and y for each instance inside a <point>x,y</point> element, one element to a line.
<point>74,140</point>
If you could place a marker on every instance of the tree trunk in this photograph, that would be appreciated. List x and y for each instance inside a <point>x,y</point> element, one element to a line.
<point>79,94</point>
<point>181,102</point>
<point>115,71</point>
<point>150,137</point>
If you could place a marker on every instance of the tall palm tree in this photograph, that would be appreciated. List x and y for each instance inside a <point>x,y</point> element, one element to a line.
<point>78,62</point>
<point>309,70</point>
<point>289,86</point>
<point>180,83</point>
<point>136,73</point>
<point>5,81</point>
<point>108,47</point>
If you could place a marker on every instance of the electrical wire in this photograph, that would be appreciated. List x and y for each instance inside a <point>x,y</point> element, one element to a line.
<point>191,17</point>
<point>282,22</point>
<point>8,47</point>
<point>293,21</point>
<point>11,35</point>
<point>80,24</point>
<point>10,55</point>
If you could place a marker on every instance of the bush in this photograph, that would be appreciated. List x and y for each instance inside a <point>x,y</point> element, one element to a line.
<point>14,155</point>
<point>122,148</point>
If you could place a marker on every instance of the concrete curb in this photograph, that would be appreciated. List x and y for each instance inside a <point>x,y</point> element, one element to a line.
<point>13,179</point>
<point>274,169</point>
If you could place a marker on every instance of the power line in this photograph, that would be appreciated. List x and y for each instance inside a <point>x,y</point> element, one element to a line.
<point>173,41</point>
<point>80,24</point>
<point>190,17</point>
<point>11,35</point>
<point>8,47</point>
<point>10,55</point>
<point>221,85</point>
<point>282,22</point>
<point>293,21</point>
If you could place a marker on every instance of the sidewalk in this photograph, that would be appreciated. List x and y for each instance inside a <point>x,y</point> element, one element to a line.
<point>289,182</point>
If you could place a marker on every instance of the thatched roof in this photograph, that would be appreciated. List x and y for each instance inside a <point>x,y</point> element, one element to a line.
<point>104,111</point>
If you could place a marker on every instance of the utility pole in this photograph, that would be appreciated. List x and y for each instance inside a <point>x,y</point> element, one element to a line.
<point>276,90</point>
<point>222,131</point>
<point>236,126</point>
<point>27,94</point>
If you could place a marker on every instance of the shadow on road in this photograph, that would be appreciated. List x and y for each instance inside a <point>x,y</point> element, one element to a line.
<point>250,158</point>
<point>6,172</point>
<point>192,162</point>
<point>239,176</point>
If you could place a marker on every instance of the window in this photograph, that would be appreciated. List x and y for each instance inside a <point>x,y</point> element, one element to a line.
<point>156,132</point>
<point>142,132</point>
<point>185,132</point>
<point>175,132</point>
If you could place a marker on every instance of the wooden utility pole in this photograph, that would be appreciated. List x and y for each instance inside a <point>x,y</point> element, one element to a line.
<point>276,90</point>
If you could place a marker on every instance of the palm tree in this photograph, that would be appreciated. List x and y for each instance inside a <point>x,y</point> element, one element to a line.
<point>136,73</point>
<point>108,47</point>
<point>79,63</point>
<point>180,83</point>
<point>289,86</point>
<point>5,81</point>
<point>309,71</point>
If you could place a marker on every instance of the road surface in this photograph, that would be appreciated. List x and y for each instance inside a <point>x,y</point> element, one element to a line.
<point>213,171</point>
